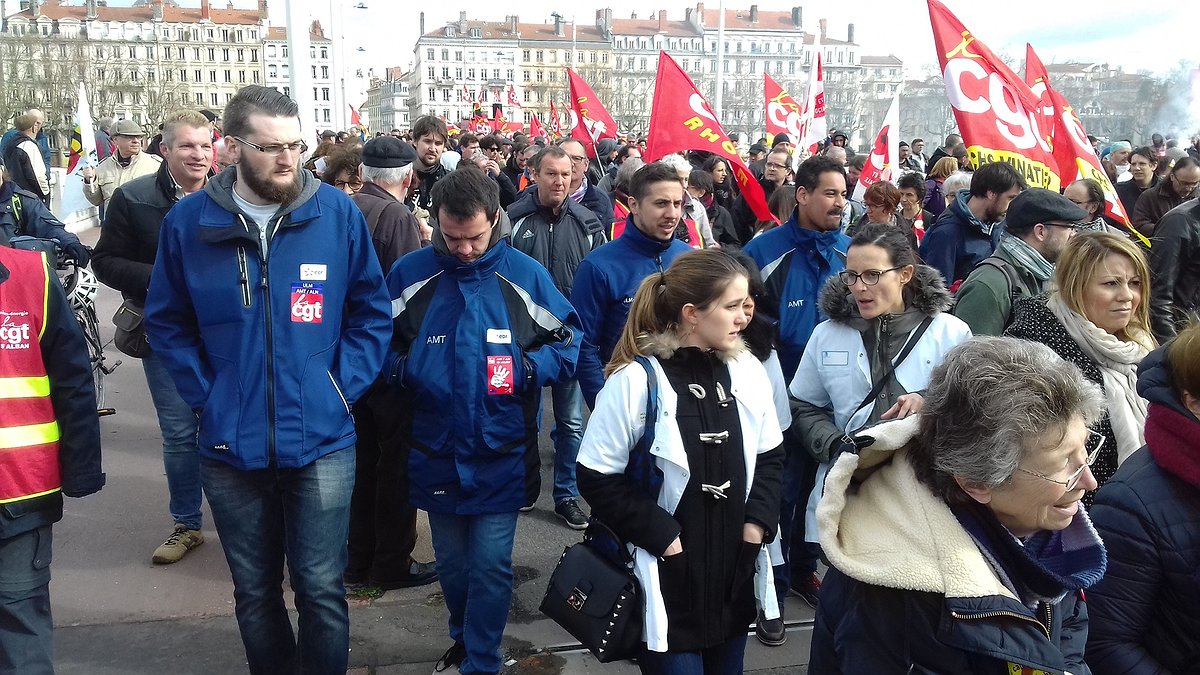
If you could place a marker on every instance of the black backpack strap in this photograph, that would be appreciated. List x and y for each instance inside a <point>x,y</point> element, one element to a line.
<point>881,382</point>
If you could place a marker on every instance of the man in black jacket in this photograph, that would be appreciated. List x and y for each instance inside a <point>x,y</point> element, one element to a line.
<point>557,232</point>
<point>123,260</point>
<point>581,191</point>
<point>50,447</point>
<point>383,524</point>
<point>1175,266</point>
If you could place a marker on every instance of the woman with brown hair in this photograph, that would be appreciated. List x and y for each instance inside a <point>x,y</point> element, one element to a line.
<point>1095,316</point>
<point>696,517</point>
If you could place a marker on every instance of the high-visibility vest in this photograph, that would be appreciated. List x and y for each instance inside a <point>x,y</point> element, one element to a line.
<point>693,230</point>
<point>29,434</point>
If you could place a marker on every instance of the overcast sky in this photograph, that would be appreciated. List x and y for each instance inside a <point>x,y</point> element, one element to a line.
<point>1145,35</point>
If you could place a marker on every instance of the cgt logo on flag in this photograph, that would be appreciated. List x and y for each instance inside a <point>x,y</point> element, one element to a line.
<point>307,302</point>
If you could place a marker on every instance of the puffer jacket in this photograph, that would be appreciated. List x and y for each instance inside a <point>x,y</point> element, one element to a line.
<point>1144,616</point>
<point>271,344</point>
<point>559,243</point>
<point>837,381</point>
<point>23,213</point>
<point>957,240</point>
<point>475,343</point>
<point>1175,268</point>
<point>908,588</point>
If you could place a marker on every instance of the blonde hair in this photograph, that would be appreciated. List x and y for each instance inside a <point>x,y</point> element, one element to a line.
<point>180,118</point>
<point>697,278</point>
<point>943,168</point>
<point>1083,258</point>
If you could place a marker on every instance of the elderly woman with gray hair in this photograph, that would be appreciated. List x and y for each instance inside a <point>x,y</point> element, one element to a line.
<point>956,538</point>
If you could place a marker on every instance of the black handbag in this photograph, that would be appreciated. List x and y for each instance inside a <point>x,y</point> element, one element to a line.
<point>593,591</point>
<point>596,599</point>
<point>130,330</point>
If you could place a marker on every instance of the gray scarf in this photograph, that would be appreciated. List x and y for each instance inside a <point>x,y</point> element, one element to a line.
<point>1028,257</point>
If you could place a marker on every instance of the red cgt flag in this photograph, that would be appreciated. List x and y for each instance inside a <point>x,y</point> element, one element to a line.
<point>555,126</point>
<point>681,119</point>
<point>1069,143</point>
<point>997,113</point>
<point>783,113</point>
<point>535,128</point>
<point>589,120</point>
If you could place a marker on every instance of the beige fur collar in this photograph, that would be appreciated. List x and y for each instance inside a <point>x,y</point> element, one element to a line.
<point>890,530</point>
<point>664,345</point>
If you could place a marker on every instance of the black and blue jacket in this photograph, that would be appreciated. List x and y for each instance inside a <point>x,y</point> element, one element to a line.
<point>271,345</point>
<point>795,264</point>
<point>474,345</point>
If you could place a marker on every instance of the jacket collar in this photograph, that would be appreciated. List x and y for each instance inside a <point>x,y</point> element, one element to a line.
<point>651,248</point>
<point>826,242</point>
<point>878,524</point>
<point>1171,438</point>
<point>374,190</point>
<point>221,219</point>
<point>927,294</point>
<point>479,267</point>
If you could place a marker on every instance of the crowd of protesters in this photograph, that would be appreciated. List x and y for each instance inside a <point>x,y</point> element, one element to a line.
<point>929,389</point>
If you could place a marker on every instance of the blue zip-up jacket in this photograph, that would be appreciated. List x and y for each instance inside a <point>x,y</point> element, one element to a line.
<point>604,287</point>
<point>795,264</point>
<point>475,344</point>
<point>270,347</point>
<point>957,241</point>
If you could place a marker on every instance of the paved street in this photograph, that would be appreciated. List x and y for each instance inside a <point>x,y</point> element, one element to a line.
<point>118,613</point>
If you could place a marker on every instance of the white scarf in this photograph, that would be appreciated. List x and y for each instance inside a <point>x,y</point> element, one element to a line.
<point>1118,360</point>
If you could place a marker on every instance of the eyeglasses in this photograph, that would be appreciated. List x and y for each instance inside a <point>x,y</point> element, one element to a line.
<point>1094,442</point>
<point>577,159</point>
<point>1185,187</point>
<point>869,278</point>
<point>274,149</point>
<point>1068,226</point>
<point>491,149</point>
<point>354,184</point>
<point>777,165</point>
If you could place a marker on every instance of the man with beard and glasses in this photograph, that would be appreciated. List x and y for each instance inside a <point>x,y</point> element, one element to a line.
<point>267,307</point>
<point>969,229</point>
<point>796,260</point>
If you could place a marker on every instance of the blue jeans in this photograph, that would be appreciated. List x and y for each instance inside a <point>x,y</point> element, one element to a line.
<point>723,659</point>
<point>474,564</point>
<point>303,515</point>
<point>567,435</point>
<point>26,628</point>
<point>181,456</point>
<point>800,557</point>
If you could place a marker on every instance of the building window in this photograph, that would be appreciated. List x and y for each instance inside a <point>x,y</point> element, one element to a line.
<point>511,72</point>
<point>429,53</point>
<point>199,98</point>
<point>445,54</point>
<point>429,71</point>
<point>314,72</point>
<point>525,55</point>
<point>229,76</point>
<point>458,55</point>
<point>255,77</point>
<point>199,76</point>
<point>324,72</point>
<point>213,97</point>
<point>539,56</point>
<point>324,93</point>
<point>225,55</point>
<point>241,77</point>
<point>254,55</point>
<point>241,55</point>
<point>212,76</point>
<point>432,93</point>
<point>325,114</point>
<point>314,93</point>
<point>324,52</point>
<point>446,72</point>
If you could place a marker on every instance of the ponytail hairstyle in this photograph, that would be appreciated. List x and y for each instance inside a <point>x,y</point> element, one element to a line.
<point>697,278</point>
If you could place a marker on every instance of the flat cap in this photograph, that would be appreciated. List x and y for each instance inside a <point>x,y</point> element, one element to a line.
<point>387,152</point>
<point>1037,205</point>
<point>128,128</point>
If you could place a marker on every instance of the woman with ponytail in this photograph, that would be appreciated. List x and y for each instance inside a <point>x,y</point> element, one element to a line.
<point>698,535</point>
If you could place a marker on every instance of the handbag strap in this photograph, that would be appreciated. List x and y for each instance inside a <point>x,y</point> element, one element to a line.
<point>881,382</point>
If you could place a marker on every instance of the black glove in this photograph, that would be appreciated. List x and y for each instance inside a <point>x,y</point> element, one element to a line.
<point>79,253</point>
<point>849,444</point>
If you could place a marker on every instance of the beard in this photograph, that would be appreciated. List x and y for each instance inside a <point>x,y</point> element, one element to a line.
<point>272,191</point>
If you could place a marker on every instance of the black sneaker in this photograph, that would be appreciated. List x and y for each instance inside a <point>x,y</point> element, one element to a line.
<point>569,511</point>
<point>452,658</point>
<point>770,632</point>
<point>808,590</point>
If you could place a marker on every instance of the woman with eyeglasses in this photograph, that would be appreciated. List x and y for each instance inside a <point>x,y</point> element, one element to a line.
<point>882,199</point>
<point>1094,317</point>
<point>888,327</point>
<point>955,538</point>
<point>341,170</point>
<point>1143,613</point>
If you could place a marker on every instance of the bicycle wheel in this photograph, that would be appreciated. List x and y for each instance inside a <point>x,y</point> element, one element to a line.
<point>91,334</point>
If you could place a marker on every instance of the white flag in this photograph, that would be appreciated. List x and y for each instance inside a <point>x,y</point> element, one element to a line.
<point>83,154</point>
<point>885,153</point>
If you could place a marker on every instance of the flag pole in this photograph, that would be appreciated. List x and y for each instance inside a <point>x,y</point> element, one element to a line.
<point>720,93</point>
